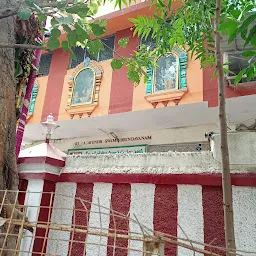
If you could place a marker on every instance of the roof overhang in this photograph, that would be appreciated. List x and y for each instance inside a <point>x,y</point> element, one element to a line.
<point>238,110</point>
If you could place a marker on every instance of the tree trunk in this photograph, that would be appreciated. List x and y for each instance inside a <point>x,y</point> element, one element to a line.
<point>8,168</point>
<point>226,178</point>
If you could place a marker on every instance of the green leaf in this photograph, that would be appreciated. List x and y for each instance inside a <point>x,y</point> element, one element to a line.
<point>72,38</point>
<point>251,36</point>
<point>53,43</point>
<point>228,26</point>
<point>229,71</point>
<point>42,17</point>
<point>66,28</point>
<point>61,4</point>
<point>24,13</point>
<point>79,9</point>
<point>250,73</point>
<point>247,22</point>
<point>54,22</point>
<point>133,76</point>
<point>72,55</point>
<point>65,45</point>
<point>82,34</point>
<point>116,64</point>
<point>249,53</point>
<point>65,20</point>
<point>55,33</point>
<point>232,36</point>
<point>236,13</point>
<point>123,42</point>
<point>94,47</point>
<point>97,29</point>
<point>239,76</point>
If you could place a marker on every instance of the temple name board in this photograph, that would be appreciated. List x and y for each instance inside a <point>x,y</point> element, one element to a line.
<point>110,150</point>
<point>106,141</point>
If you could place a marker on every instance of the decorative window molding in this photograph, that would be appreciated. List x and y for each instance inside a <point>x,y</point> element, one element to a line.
<point>84,94</point>
<point>173,89</point>
<point>32,101</point>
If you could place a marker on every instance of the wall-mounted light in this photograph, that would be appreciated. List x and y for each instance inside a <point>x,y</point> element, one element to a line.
<point>49,126</point>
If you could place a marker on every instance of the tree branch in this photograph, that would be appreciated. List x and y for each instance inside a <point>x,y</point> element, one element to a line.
<point>22,46</point>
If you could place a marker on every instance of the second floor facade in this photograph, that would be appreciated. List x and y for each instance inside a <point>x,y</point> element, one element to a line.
<point>88,87</point>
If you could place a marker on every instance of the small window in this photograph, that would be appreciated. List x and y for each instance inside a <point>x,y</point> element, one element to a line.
<point>109,45</point>
<point>79,52</point>
<point>108,53</point>
<point>166,73</point>
<point>237,63</point>
<point>45,63</point>
<point>149,42</point>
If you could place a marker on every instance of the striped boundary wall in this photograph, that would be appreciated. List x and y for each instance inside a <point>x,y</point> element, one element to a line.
<point>193,210</point>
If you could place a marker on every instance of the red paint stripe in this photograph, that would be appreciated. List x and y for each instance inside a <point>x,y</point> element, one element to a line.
<point>41,160</point>
<point>121,94</point>
<point>44,217</point>
<point>210,88</point>
<point>166,214</point>
<point>23,184</point>
<point>81,217</point>
<point>120,202</point>
<point>40,176</point>
<point>208,179</point>
<point>213,218</point>
<point>58,70</point>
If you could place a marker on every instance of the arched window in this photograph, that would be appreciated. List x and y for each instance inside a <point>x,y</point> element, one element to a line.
<point>166,73</point>
<point>169,74</point>
<point>84,87</point>
<point>168,80</point>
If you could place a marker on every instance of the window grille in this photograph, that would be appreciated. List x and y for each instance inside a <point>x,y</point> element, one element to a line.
<point>108,53</point>
<point>45,63</point>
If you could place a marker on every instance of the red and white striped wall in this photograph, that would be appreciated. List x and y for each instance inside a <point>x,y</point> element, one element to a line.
<point>194,211</point>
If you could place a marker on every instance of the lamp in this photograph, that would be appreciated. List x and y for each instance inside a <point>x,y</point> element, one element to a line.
<point>49,126</point>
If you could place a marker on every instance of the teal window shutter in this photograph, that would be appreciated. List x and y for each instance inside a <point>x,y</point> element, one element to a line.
<point>183,63</point>
<point>150,80</point>
<point>33,99</point>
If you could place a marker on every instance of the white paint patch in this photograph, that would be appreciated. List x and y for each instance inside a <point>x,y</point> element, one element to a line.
<point>190,216</point>
<point>62,213</point>
<point>244,200</point>
<point>32,201</point>
<point>99,219</point>
<point>142,208</point>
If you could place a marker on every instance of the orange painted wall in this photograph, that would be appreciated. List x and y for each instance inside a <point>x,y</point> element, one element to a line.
<point>194,85</point>
<point>42,85</point>
<point>102,108</point>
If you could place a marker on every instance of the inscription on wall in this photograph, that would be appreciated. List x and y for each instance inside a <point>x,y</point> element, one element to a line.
<point>106,141</point>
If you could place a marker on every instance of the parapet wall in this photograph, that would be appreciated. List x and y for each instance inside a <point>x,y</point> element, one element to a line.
<point>242,150</point>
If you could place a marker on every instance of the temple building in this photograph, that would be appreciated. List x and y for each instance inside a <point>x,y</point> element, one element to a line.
<point>146,149</point>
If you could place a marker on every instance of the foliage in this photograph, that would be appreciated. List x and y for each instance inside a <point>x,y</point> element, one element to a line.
<point>26,33</point>
<point>189,25</point>
<point>74,19</point>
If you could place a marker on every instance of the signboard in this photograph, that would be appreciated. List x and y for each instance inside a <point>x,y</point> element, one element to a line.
<point>109,150</point>
<point>113,140</point>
